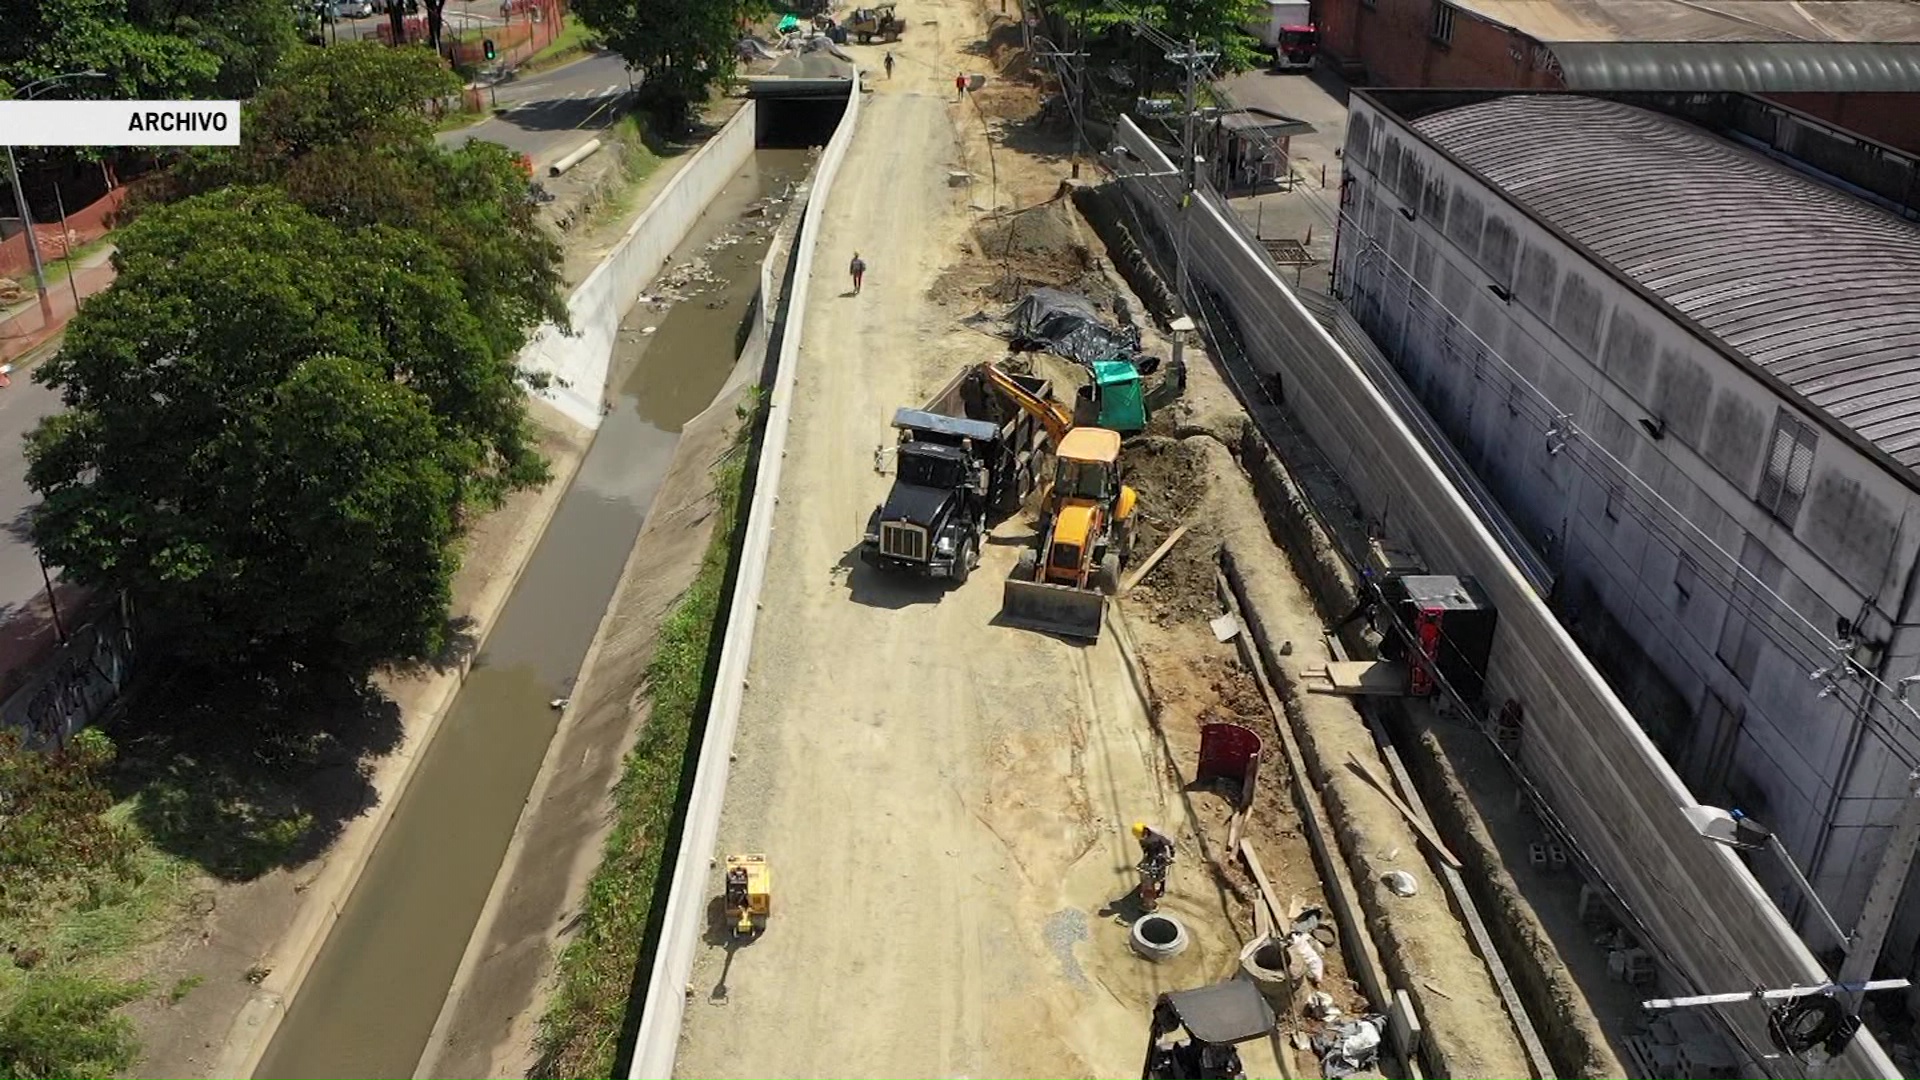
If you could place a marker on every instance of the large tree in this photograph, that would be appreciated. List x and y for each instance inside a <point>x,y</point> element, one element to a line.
<point>274,425</point>
<point>1110,29</point>
<point>684,48</point>
<point>146,48</point>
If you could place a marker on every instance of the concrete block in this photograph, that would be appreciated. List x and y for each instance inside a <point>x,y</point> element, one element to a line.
<point>1403,1026</point>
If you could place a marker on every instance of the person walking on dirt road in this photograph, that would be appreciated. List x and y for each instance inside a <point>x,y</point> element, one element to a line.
<point>858,268</point>
<point>889,63</point>
<point>960,86</point>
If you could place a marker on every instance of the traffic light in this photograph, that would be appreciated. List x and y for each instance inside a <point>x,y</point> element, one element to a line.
<point>488,46</point>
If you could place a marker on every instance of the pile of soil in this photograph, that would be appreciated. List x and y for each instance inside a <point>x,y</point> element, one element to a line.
<point>1172,479</point>
<point>1041,247</point>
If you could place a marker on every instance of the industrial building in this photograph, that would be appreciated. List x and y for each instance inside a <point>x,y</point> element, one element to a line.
<point>1854,63</point>
<point>1687,362</point>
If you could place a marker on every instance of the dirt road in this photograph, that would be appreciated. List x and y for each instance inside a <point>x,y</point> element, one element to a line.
<point>944,802</point>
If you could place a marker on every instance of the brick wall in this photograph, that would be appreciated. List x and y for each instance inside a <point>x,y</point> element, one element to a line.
<point>1893,119</point>
<point>1394,41</point>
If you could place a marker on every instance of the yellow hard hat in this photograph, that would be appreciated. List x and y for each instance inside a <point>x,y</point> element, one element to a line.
<point>1139,829</point>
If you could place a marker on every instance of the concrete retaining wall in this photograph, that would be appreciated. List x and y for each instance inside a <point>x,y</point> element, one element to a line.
<point>578,363</point>
<point>1603,776</point>
<point>658,1041</point>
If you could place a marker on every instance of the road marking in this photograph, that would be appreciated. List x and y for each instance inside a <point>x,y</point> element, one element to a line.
<point>609,89</point>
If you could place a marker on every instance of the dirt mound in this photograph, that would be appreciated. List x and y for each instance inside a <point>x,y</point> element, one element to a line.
<point>1172,479</point>
<point>1016,253</point>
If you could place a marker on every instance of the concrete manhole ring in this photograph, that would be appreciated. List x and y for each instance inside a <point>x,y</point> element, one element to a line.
<point>1159,937</point>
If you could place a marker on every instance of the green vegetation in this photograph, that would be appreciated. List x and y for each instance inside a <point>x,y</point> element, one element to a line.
<point>1216,24</point>
<point>640,152</point>
<point>577,38</point>
<point>580,1033</point>
<point>685,47</point>
<point>77,889</point>
<point>149,51</point>
<point>304,379</point>
<point>183,987</point>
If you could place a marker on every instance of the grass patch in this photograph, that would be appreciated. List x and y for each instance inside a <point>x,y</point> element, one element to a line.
<point>460,118</point>
<point>575,38</point>
<point>580,1032</point>
<point>640,150</point>
<point>79,887</point>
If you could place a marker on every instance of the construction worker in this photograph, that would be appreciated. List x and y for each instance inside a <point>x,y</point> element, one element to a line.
<point>858,268</point>
<point>1155,846</point>
<point>889,63</point>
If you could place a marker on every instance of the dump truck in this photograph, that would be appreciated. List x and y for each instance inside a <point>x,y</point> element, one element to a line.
<point>1085,532</point>
<point>969,458</point>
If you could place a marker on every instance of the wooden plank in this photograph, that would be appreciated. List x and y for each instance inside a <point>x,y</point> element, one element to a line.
<point>1153,560</point>
<point>1419,826</point>
<point>1260,878</point>
<point>1373,678</point>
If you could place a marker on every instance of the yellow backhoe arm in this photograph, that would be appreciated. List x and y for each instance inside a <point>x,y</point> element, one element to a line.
<point>1056,418</point>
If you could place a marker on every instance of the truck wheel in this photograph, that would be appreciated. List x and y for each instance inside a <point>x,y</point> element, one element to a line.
<point>1110,573</point>
<point>962,562</point>
<point>1028,568</point>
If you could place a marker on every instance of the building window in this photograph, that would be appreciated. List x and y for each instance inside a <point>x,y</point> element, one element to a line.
<point>1442,30</point>
<point>1789,463</point>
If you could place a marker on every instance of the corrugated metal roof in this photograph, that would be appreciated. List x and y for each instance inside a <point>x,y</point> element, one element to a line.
<point>1556,21</point>
<point>1816,287</point>
<point>1750,67</point>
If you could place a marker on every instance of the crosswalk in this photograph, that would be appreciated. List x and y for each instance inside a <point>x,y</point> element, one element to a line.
<point>606,91</point>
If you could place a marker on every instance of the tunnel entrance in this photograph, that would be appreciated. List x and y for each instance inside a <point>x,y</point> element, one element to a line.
<point>806,116</point>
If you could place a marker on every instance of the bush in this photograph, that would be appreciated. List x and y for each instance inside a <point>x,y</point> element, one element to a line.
<point>54,836</point>
<point>63,1026</point>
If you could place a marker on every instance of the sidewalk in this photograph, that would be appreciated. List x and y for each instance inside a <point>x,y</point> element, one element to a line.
<point>24,328</point>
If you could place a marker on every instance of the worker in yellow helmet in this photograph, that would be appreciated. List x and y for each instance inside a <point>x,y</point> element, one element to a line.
<point>1154,844</point>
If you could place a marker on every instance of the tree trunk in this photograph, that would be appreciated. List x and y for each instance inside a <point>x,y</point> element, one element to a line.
<point>397,21</point>
<point>434,8</point>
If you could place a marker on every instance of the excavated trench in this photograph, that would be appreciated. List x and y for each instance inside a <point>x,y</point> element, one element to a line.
<point>369,1004</point>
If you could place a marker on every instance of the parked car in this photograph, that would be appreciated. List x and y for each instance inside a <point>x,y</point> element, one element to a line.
<point>355,9</point>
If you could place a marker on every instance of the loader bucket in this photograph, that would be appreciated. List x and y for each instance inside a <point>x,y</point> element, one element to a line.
<point>1053,609</point>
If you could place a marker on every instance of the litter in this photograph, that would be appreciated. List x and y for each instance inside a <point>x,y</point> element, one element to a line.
<point>1350,1046</point>
<point>1320,1006</point>
<point>1400,883</point>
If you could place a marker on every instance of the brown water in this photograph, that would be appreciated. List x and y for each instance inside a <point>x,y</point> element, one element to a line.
<point>371,1000</point>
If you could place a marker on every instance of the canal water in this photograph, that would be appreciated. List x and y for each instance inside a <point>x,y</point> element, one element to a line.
<point>369,1005</point>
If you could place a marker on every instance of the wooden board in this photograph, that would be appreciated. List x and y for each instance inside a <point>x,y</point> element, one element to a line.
<point>1422,828</point>
<point>1152,560</point>
<point>1369,678</point>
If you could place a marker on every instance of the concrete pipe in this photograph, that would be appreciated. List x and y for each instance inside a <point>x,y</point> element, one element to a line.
<point>1265,962</point>
<point>574,158</point>
<point>1159,937</point>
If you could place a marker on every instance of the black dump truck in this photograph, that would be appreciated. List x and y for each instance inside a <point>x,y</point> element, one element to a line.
<point>966,460</point>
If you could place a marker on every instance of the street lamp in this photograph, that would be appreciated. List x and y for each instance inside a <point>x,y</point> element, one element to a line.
<point>1736,830</point>
<point>20,193</point>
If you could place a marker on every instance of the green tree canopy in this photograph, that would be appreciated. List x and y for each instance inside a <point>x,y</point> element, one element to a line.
<point>685,48</point>
<point>1218,25</point>
<point>146,48</point>
<point>274,424</point>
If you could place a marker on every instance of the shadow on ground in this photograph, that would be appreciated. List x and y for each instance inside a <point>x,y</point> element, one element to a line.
<point>243,775</point>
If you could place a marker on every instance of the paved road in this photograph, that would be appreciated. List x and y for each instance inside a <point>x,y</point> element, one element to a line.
<point>21,407</point>
<point>551,113</point>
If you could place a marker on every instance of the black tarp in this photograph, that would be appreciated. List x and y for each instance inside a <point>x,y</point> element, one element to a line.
<point>1069,325</point>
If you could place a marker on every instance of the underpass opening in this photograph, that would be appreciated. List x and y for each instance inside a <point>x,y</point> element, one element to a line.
<point>801,118</point>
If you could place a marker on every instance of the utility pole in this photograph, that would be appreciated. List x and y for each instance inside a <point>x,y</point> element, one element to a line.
<point>1192,60</point>
<point>1073,86</point>
<point>1883,897</point>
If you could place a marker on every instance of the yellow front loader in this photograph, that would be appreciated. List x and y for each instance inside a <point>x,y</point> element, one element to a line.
<point>1060,586</point>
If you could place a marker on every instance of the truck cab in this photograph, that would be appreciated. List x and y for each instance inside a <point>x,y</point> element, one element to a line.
<point>935,516</point>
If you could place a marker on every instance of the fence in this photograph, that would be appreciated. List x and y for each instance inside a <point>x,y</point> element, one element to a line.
<point>526,27</point>
<point>72,275</point>
<point>1600,774</point>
